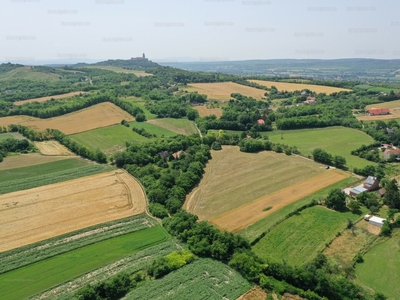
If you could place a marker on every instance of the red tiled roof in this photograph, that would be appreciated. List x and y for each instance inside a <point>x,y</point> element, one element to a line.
<point>260,121</point>
<point>378,111</point>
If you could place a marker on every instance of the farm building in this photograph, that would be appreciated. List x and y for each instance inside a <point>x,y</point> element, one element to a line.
<point>371,183</point>
<point>378,111</point>
<point>357,191</point>
<point>376,221</point>
<point>389,152</point>
<point>260,121</point>
<point>311,100</point>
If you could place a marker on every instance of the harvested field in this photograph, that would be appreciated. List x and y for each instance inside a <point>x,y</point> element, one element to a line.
<point>394,108</point>
<point>250,213</point>
<point>40,213</point>
<point>180,126</point>
<point>24,160</point>
<point>96,116</point>
<point>223,90</point>
<point>53,148</point>
<point>233,178</point>
<point>291,87</point>
<point>256,293</point>
<point>204,111</point>
<point>47,98</point>
<point>139,73</point>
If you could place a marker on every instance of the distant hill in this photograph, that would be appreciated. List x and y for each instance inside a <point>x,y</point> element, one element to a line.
<point>136,64</point>
<point>340,69</point>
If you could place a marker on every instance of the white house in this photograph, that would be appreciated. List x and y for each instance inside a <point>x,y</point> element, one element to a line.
<point>376,221</point>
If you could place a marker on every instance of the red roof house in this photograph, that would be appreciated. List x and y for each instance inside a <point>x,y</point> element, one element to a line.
<point>311,100</point>
<point>378,111</point>
<point>389,152</point>
<point>261,122</point>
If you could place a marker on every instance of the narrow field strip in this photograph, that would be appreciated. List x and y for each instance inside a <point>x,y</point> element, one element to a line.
<point>239,218</point>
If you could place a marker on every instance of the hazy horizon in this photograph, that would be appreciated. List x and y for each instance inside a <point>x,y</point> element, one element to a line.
<point>201,30</point>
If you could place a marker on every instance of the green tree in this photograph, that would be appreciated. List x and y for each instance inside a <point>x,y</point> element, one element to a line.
<point>140,117</point>
<point>336,200</point>
<point>354,206</point>
<point>392,196</point>
<point>339,162</point>
<point>386,229</point>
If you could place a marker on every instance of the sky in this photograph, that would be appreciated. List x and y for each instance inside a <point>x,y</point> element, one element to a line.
<point>198,30</point>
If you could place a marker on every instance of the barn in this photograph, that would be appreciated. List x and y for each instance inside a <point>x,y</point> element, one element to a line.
<point>378,111</point>
<point>376,221</point>
<point>357,191</point>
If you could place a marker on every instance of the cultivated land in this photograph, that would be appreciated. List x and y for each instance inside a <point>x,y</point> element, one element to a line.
<point>157,130</point>
<point>291,87</point>
<point>335,140</point>
<point>14,135</point>
<point>204,111</point>
<point>55,209</point>
<point>24,160</point>
<point>300,238</point>
<point>43,99</point>
<point>241,217</point>
<point>202,279</point>
<point>53,148</point>
<point>27,72</point>
<point>394,108</point>
<point>27,177</point>
<point>223,90</point>
<point>381,267</point>
<point>141,103</point>
<point>138,73</point>
<point>108,139</point>
<point>233,178</point>
<point>255,230</point>
<point>45,274</point>
<point>256,293</point>
<point>96,116</point>
<point>180,126</point>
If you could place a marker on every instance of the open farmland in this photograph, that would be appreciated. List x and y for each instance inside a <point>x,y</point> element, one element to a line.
<point>256,293</point>
<point>204,111</point>
<point>180,126</point>
<point>233,178</point>
<point>139,73</point>
<point>53,148</point>
<point>47,273</point>
<point>96,116</point>
<point>335,140</point>
<point>13,135</point>
<point>291,87</point>
<point>201,279</point>
<point>55,209</point>
<point>223,90</point>
<point>241,217</point>
<point>299,238</point>
<point>394,108</point>
<point>381,267</point>
<point>137,101</point>
<point>28,73</point>
<point>43,99</point>
<point>24,160</point>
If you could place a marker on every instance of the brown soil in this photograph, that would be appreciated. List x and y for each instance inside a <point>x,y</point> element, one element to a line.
<point>96,116</point>
<point>47,98</point>
<point>256,293</point>
<point>204,111</point>
<point>37,214</point>
<point>248,214</point>
<point>52,148</point>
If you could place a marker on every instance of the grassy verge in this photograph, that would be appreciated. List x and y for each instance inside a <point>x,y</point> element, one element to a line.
<point>202,279</point>
<point>26,255</point>
<point>29,280</point>
<point>24,178</point>
<point>253,231</point>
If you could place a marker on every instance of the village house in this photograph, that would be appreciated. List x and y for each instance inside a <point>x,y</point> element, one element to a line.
<point>389,152</point>
<point>378,111</point>
<point>371,183</point>
<point>310,100</point>
<point>260,122</point>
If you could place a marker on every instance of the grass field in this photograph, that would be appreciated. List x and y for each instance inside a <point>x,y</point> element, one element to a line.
<point>381,267</point>
<point>291,87</point>
<point>335,140</point>
<point>115,69</point>
<point>202,279</point>
<point>55,209</point>
<point>26,72</point>
<point>96,116</point>
<point>298,239</point>
<point>223,90</point>
<point>32,279</point>
<point>43,99</point>
<point>157,130</point>
<point>14,135</point>
<point>108,139</point>
<point>141,103</point>
<point>253,231</point>
<point>233,178</point>
<point>25,160</point>
<point>180,126</point>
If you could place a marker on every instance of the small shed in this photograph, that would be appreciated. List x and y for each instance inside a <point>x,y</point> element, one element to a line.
<point>357,191</point>
<point>376,221</point>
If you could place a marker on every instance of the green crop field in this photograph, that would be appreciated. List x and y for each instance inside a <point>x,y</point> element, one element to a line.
<point>108,139</point>
<point>141,103</point>
<point>32,253</point>
<point>32,279</point>
<point>381,267</point>
<point>17,179</point>
<point>335,140</point>
<point>14,135</point>
<point>300,238</point>
<point>153,129</point>
<point>254,230</point>
<point>180,126</point>
<point>202,279</point>
<point>28,73</point>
